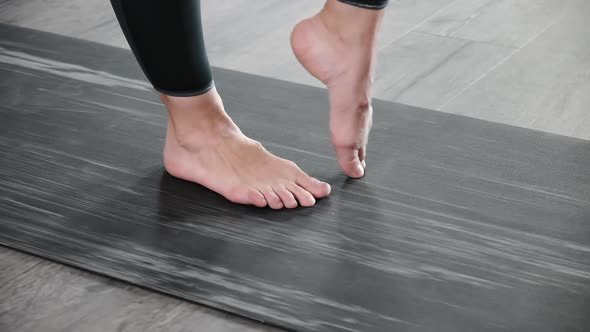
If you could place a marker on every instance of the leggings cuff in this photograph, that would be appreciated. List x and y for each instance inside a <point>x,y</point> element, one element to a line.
<point>368,4</point>
<point>190,93</point>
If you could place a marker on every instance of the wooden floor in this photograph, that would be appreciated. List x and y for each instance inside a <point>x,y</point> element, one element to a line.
<point>39,295</point>
<point>520,62</point>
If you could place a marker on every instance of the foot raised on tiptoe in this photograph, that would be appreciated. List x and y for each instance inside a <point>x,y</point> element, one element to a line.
<point>337,46</point>
<point>204,145</point>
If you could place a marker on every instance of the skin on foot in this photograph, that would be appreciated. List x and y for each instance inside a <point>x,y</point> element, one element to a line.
<point>203,145</point>
<point>337,47</point>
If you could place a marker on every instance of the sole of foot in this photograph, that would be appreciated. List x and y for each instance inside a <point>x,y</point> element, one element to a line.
<point>343,60</point>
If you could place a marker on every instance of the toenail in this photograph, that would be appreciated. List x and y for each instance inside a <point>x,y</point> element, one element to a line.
<point>364,163</point>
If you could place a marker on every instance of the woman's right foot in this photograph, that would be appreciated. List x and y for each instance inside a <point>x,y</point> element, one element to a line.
<point>337,46</point>
<point>204,145</point>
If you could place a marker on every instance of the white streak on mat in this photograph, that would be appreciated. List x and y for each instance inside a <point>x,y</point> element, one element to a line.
<point>69,70</point>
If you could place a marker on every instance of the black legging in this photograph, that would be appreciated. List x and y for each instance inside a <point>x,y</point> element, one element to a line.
<point>166,37</point>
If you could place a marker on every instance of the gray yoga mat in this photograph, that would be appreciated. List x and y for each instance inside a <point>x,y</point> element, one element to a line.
<point>459,224</point>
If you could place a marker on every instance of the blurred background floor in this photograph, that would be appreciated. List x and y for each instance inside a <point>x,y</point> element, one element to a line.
<point>519,62</point>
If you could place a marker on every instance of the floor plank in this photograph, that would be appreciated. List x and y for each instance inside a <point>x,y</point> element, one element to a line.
<point>544,86</point>
<point>446,67</point>
<point>502,22</point>
<point>39,295</point>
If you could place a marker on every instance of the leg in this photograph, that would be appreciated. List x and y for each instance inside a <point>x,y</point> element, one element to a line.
<point>203,144</point>
<point>337,46</point>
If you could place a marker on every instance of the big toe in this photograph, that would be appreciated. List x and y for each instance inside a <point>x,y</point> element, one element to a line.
<point>350,163</point>
<point>314,186</point>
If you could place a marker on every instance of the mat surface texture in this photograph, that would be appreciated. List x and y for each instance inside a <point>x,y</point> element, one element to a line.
<point>459,224</point>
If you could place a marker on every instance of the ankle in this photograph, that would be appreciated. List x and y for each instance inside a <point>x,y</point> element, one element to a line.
<point>191,105</point>
<point>351,24</point>
<point>198,119</point>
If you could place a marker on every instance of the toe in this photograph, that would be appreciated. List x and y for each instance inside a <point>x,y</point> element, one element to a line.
<point>244,195</point>
<point>286,196</point>
<point>363,154</point>
<point>256,198</point>
<point>349,161</point>
<point>274,201</point>
<point>316,187</point>
<point>304,197</point>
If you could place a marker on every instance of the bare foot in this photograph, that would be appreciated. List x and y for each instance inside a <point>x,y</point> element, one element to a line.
<point>203,145</point>
<point>337,47</point>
